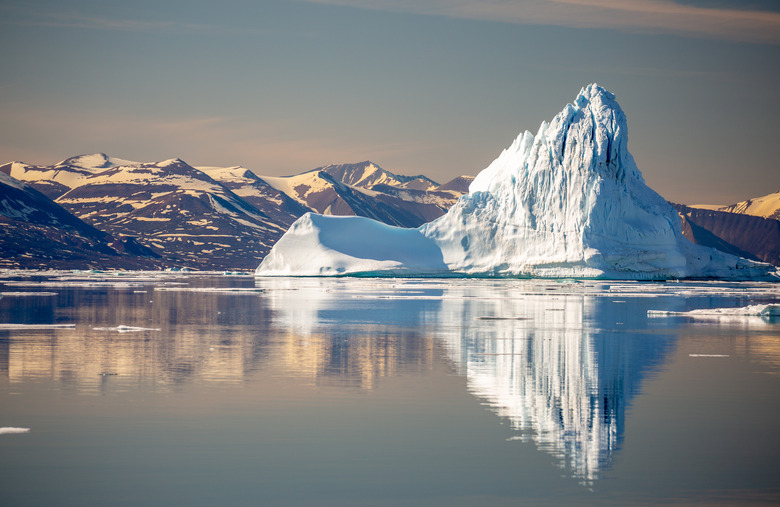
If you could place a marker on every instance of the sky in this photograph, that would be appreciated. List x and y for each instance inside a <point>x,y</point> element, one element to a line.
<point>434,87</point>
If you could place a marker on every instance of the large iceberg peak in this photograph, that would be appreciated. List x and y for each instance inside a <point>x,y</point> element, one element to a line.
<point>590,134</point>
<point>568,201</point>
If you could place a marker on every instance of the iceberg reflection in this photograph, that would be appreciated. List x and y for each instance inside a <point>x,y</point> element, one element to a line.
<point>560,361</point>
<point>560,369</point>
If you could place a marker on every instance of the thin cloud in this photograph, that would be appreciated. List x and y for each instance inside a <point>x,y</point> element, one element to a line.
<point>24,17</point>
<point>638,16</point>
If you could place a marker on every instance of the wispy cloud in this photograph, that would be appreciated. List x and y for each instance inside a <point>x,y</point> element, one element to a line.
<point>54,19</point>
<point>641,16</point>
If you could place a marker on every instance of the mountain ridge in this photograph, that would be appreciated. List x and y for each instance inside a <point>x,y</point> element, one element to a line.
<point>211,217</point>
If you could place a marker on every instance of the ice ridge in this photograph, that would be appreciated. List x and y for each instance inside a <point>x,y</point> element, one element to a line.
<point>567,202</point>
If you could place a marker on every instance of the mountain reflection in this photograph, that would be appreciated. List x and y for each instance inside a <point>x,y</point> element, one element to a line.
<point>557,360</point>
<point>190,335</point>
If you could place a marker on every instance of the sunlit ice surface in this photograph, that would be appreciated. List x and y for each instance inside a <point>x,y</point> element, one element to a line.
<point>385,391</point>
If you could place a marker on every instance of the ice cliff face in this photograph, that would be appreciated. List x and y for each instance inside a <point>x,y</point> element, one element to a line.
<point>569,201</point>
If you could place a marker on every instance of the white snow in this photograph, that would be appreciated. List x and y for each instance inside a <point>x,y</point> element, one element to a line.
<point>12,182</point>
<point>766,206</point>
<point>567,202</point>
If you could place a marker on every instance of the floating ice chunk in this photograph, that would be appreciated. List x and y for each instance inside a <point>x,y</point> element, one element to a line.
<point>36,326</point>
<point>126,329</point>
<point>708,355</point>
<point>213,290</point>
<point>746,311</point>
<point>27,294</point>
<point>10,429</point>
<point>488,317</point>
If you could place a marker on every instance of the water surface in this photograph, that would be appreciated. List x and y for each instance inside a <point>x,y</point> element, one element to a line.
<point>206,390</point>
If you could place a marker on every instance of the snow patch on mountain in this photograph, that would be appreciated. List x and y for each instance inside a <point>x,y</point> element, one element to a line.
<point>566,202</point>
<point>12,182</point>
<point>96,161</point>
<point>767,206</point>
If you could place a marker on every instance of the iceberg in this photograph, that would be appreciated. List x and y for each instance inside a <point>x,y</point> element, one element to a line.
<point>566,202</point>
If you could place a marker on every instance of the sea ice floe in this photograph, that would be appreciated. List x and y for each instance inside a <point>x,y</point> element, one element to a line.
<point>126,329</point>
<point>27,294</point>
<point>214,290</point>
<point>745,311</point>
<point>10,429</point>
<point>36,326</point>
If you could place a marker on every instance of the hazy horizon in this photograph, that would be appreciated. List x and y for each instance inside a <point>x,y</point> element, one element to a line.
<point>436,87</point>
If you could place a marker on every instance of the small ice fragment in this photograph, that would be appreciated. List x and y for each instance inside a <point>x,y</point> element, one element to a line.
<point>11,429</point>
<point>126,329</point>
<point>37,326</point>
<point>708,355</point>
<point>26,294</point>
<point>745,311</point>
<point>487,317</point>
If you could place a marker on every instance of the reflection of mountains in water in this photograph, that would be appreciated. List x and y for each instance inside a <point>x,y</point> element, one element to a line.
<point>551,362</point>
<point>192,333</point>
<point>548,366</point>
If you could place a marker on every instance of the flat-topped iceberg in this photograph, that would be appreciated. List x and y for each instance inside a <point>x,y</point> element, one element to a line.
<point>566,202</point>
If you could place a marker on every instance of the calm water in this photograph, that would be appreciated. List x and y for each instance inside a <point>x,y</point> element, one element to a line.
<point>239,391</point>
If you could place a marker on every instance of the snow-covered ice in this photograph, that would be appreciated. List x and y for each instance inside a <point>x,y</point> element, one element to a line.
<point>744,311</point>
<point>333,245</point>
<point>25,327</point>
<point>566,202</point>
<point>10,429</point>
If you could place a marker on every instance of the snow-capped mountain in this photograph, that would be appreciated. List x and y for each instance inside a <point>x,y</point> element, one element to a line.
<point>405,201</point>
<point>368,175</point>
<point>182,213</point>
<point>459,184</point>
<point>569,201</point>
<point>281,208</point>
<point>767,206</point>
<point>38,233</point>
<point>222,217</point>
<point>55,180</point>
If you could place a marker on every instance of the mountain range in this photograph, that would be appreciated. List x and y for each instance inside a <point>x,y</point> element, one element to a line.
<point>96,211</point>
